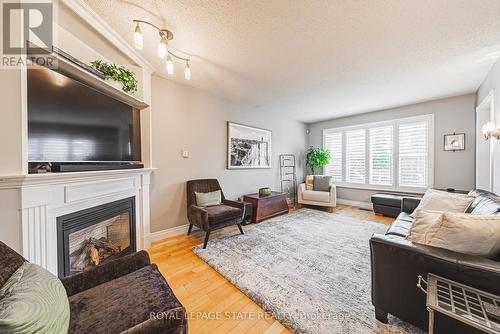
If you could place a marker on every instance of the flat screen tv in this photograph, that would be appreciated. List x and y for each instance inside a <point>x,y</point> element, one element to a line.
<point>71,122</point>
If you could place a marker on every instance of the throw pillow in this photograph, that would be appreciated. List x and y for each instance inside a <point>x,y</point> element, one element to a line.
<point>424,226</point>
<point>438,200</point>
<point>310,182</point>
<point>33,301</point>
<point>469,234</point>
<point>208,199</point>
<point>322,183</point>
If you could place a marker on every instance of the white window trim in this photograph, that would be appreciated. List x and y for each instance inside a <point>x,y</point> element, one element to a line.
<point>395,158</point>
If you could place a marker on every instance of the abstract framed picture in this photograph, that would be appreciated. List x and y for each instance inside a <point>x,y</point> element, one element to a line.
<point>248,147</point>
<point>454,142</point>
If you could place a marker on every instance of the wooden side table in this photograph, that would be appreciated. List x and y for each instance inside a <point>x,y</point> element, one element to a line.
<point>268,206</point>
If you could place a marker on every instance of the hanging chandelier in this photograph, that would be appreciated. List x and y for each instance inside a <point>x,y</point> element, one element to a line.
<point>163,50</point>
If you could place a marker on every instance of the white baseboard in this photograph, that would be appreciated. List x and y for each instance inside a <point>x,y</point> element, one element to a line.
<point>359,204</point>
<point>169,232</point>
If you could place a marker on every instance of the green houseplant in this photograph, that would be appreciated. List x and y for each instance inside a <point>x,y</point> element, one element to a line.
<point>117,73</point>
<point>317,158</point>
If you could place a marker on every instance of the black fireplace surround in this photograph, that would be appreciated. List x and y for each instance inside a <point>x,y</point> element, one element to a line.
<point>76,221</point>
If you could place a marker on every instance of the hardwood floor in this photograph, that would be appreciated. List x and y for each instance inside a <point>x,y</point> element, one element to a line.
<point>214,304</point>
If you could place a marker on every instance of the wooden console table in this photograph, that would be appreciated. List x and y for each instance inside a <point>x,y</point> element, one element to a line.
<point>268,206</point>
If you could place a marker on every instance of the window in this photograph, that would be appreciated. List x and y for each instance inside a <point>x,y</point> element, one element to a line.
<point>355,156</point>
<point>333,143</point>
<point>413,154</point>
<point>381,155</point>
<point>395,154</point>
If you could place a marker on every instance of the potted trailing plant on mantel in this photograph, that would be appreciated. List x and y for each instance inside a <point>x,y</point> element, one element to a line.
<point>317,158</point>
<point>123,76</point>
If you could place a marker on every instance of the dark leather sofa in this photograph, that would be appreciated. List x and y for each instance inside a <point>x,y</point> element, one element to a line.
<point>118,296</point>
<point>396,263</point>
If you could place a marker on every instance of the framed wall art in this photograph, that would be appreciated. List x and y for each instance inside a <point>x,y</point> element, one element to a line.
<point>248,147</point>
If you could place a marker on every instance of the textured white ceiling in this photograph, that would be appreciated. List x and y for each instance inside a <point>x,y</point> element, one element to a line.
<point>321,59</point>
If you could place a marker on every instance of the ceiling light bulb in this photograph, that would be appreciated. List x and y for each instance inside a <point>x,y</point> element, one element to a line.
<point>187,72</point>
<point>138,40</point>
<point>162,48</point>
<point>170,65</point>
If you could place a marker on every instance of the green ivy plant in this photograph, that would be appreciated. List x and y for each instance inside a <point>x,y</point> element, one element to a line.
<point>317,158</point>
<point>118,73</point>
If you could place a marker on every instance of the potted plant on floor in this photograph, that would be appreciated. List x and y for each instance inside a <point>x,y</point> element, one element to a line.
<point>317,158</point>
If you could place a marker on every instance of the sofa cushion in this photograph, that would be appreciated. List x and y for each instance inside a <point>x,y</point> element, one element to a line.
<point>10,261</point>
<point>424,226</point>
<point>401,225</point>
<point>33,301</point>
<point>221,213</point>
<point>123,303</point>
<point>438,200</point>
<point>316,196</point>
<point>485,203</point>
<point>469,234</point>
<point>322,183</point>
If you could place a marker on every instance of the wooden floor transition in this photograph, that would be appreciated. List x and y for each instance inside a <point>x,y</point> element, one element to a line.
<point>214,304</point>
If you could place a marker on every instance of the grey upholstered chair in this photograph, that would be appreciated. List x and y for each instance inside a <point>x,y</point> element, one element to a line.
<point>212,217</point>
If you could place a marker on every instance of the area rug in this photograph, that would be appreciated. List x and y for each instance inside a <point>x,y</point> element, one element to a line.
<point>310,269</point>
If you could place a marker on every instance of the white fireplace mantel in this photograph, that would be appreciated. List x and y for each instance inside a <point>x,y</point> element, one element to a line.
<point>30,205</point>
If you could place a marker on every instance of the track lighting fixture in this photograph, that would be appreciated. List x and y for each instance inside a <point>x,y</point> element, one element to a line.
<point>187,71</point>
<point>138,40</point>
<point>163,50</point>
<point>170,65</point>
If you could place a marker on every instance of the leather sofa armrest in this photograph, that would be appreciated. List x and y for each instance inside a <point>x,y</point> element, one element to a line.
<point>409,204</point>
<point>199,217</point>
<point>105,272</point>
<point>478,271</point>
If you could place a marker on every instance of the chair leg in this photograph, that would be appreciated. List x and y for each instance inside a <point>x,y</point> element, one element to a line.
<point>190,229</point>
<point>380,315</point>
<point>241,229</point>
<point>207,235</point>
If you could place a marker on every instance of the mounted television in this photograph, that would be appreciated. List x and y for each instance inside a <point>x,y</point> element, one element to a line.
<point>71,122</point>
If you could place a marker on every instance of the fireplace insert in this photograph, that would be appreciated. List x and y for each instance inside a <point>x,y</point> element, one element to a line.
<point>93,236</point>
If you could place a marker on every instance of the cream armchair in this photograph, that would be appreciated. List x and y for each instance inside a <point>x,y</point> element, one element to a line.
<point>319,198</point>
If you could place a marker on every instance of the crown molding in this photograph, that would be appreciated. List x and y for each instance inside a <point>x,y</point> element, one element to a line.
<point>95,21</point>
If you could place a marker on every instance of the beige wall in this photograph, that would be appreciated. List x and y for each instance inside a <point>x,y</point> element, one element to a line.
<point>187,118</point>
<point>454,114</point>
<point>492,82</point>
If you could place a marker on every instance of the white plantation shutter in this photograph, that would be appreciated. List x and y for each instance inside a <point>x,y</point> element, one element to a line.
<point>413,154</point>
<point>355,156</point>
<point>381,143</point>
<point>333,143</point>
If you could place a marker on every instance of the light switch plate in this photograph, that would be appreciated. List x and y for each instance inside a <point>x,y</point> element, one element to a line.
<point>185,154</point>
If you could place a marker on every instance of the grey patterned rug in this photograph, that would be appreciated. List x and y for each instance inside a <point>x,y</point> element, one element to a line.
<point>310,269</point>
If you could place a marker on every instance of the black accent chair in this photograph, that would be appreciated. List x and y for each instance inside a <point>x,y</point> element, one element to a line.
<point>396,263</point>
<point>214,217</point>
<point>118,296</point>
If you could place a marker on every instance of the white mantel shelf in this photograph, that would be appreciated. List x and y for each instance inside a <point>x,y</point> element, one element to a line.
<point>68,68</point>
<point>16,181</point>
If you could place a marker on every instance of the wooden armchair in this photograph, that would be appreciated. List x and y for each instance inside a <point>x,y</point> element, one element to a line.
<point>212,217</point>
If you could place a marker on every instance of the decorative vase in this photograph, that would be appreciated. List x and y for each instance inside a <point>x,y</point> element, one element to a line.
<point>263,192</point>
<point>114,83</point>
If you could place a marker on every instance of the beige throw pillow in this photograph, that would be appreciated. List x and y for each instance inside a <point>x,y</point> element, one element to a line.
<point>469,234</point>
<point>424,226</point>
<point>437,200</point>
<point>208,199</point>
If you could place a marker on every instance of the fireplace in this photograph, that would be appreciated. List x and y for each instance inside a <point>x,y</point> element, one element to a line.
<point>94,236</point>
